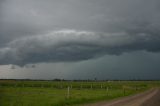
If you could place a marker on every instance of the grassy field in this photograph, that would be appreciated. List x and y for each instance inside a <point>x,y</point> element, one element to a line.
<point>65,93</point>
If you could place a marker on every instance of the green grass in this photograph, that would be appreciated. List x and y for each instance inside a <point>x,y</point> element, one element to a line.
<point>50,93</point>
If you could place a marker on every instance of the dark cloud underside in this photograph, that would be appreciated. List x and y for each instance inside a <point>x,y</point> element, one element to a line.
<point>73,30</point>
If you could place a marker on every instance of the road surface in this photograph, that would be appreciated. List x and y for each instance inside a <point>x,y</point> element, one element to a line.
<point>149,98</point>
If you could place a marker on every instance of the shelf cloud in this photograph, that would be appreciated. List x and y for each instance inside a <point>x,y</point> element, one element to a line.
<point>72,45</point>
<point>74,30</point>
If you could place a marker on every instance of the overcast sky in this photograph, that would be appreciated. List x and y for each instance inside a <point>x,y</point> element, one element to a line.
<point>80,39</point>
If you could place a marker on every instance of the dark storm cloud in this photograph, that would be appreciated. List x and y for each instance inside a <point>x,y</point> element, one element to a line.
<point>71,45</point>
<point>37,31</point>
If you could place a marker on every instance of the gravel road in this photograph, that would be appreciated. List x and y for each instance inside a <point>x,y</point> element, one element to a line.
<point>148,98</point>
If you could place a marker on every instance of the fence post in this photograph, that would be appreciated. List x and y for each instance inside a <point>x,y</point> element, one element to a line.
<point>107,90</point>
<point>81,86</point>
<point>91,86</point>
<point>68,92</point>
<point>124,91</point>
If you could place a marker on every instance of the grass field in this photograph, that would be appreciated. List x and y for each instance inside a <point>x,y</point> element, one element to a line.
<point>65,93</point>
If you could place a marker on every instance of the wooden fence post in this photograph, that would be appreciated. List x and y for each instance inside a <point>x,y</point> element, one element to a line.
<point>81,86</point>
<point>124,91</point>
<point>107,90</point>
<point>91,86</point>
<point>68,92</point>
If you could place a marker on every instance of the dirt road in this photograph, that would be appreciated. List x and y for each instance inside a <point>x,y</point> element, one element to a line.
<point>149,98</point>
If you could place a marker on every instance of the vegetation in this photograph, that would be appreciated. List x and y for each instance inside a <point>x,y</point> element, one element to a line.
<point>65,93</point>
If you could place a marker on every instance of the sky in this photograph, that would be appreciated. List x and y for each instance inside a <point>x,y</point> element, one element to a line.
<point>80,39</point>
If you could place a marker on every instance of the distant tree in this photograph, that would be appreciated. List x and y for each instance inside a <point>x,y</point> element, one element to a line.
<point>95,79</point>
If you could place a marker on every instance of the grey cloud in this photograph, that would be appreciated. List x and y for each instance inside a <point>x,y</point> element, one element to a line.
<point>99,28</point>
<point>72,45</point>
